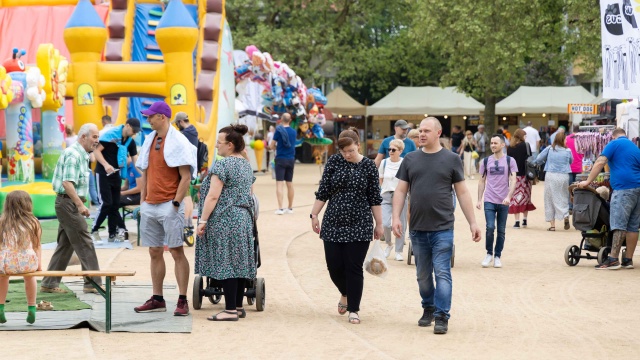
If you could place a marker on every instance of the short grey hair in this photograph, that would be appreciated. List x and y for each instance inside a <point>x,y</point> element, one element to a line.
<point>480,126</point>
<point>86,129</point>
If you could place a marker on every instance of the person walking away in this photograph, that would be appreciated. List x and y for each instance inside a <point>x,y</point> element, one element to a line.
<point>283,143</point>
<point>71,184</point>
<point>520,151</point>
<point>168,163</point>
<point>497,185</point>
<point>623,158</point>
<point>482,141</point>
<point>456,139</point>
<point>20,249</point>
<point>191,133</point>
<point>556,183</point>
<point>225,247</point>
<point>467,147</point>
<point>576,165</point>
<point>388,182</point>
<point>433,170</point>
<point>272,131</point>
<point>350,184</point>
<point>401,129</point>
<point>533,139</point>
<point>111,156</point>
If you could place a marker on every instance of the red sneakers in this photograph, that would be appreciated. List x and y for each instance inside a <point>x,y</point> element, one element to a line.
<point>182,309</point>
<point>152,305</point>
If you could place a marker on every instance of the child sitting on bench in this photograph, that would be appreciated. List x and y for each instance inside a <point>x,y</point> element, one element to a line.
<point>20,249</point>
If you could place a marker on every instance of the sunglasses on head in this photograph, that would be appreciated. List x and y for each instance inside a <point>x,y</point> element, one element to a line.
<point>158,142</point>
<point>393,150</point>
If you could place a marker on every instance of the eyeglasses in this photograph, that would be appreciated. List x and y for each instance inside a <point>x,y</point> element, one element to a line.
<point>392,150</point>
<point>158,142</point>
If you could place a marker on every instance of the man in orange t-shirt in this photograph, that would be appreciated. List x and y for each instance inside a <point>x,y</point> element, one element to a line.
<point>162,210</point>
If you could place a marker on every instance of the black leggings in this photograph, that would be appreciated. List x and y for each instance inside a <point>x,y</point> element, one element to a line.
<point>233,293</point>
<point>344,261</point>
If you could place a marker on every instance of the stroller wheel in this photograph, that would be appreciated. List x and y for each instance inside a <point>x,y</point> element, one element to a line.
<point>410,254</point>
<point>572,255</point>
<point>251,300</point>
<point>260,294</point>
<point>214,299</point>
<point>603,254</point>
<point>196,299</point>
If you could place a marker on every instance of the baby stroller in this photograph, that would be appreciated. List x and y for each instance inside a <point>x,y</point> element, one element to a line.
<point>591,217</point>
<point>255,288</point>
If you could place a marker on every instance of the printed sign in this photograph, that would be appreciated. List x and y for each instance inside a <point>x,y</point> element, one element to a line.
<point>582,109</point>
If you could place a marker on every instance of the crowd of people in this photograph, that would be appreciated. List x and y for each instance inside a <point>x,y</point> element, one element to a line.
<point>365,199</point>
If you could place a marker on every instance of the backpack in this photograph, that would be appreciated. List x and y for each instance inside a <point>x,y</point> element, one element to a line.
<point>486,160</point>
<point>202,155</point>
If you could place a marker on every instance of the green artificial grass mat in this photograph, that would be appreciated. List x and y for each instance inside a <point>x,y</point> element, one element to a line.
<point>50,230</point>
<point>60,302</point>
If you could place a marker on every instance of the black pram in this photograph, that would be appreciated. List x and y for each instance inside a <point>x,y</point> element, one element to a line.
<point>591,217</point>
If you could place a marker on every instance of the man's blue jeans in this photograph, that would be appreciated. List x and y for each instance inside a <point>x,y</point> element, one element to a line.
<point>495,213</point>
<point>432,250</point>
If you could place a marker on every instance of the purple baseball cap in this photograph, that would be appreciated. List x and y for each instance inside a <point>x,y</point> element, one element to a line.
<point>158,107</point>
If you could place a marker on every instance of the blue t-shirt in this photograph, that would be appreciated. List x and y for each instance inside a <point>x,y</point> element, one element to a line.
<point>283,152</point>
<point>132,175</point>
<point>409,146</point>
<point>624,162</point>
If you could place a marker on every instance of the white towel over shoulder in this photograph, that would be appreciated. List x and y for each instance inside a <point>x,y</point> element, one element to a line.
<point>178,151</point>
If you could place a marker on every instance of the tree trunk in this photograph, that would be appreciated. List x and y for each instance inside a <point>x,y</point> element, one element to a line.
<point>490,120</point>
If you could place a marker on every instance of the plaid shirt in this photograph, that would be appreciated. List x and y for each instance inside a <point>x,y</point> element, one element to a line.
<point>73,166</point>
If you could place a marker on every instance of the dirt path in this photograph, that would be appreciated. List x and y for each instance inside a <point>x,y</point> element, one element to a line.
<point>535,307</point>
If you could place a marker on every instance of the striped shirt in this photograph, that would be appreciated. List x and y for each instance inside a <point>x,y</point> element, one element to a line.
<point>73,166</point>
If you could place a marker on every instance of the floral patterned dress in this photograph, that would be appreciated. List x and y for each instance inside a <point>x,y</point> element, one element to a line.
<point>13,259</point>
<point>351,190</point>
<point>226,250</point>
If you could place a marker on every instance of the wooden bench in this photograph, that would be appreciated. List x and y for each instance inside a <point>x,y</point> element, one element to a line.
<point>106,292</point>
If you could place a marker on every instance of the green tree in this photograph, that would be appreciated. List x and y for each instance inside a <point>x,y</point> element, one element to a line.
<point>493,47</point>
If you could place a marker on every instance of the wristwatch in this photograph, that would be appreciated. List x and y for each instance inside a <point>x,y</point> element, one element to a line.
<point>311,216</point>
<point>175,203</point>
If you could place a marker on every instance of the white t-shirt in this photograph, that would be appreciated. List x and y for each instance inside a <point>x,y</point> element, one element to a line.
<point>532,138</point>
<point>70,140</point>
<point>390,168</point>
<point>105,129</point>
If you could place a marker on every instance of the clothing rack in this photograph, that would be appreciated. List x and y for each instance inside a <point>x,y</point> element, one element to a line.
<point>592,128</point>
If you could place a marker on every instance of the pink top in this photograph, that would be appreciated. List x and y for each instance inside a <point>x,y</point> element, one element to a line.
<point>576,165</point>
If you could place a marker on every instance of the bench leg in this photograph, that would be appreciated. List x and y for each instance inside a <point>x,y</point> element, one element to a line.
<point>106,294</point>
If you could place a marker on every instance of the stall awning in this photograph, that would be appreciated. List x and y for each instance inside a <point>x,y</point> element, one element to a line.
<point>340,103</point>
<point>543,99</point>
<point>422,100</point>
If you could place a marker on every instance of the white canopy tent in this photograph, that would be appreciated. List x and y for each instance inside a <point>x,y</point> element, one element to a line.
<point>431,100</point>
<point>543,99</point>
<point>340,103</point>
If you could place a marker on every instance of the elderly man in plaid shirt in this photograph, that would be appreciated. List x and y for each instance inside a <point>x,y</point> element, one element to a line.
<point>70,183</point>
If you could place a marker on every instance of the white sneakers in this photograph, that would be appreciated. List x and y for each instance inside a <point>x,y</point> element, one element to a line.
<point>387,251</point>
<point>399,257</point>
<point>487,261</point>
<point>284,211</point>
<point>96,238</point>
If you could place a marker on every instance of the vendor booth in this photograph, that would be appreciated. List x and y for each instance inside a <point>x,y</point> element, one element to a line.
<point>414,104</point>
<point>544,106</point>
<point>347,112</point>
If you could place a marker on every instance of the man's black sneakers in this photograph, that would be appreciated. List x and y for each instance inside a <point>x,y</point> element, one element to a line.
<point>427,318</point>
<point>442,325</point>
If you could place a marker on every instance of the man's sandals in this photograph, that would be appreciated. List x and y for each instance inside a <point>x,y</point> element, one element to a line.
<point>553,228</point>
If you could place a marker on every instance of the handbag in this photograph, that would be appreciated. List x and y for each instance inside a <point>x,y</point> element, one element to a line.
<point>474,155</point>
<point>530,169</point>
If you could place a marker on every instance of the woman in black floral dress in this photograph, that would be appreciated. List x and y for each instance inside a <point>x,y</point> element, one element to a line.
<point>224,249</point>
<point>350,184</point>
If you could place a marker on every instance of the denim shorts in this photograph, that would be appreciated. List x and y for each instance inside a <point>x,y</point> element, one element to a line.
<point>625,210</point>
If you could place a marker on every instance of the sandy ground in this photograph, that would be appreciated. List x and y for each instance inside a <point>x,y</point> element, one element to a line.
<point>536,307</point>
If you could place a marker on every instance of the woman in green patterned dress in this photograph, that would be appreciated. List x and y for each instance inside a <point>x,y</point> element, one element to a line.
<point>224,248</point>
